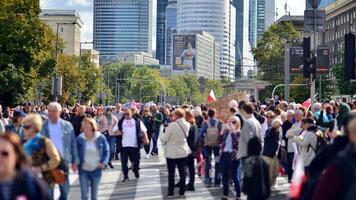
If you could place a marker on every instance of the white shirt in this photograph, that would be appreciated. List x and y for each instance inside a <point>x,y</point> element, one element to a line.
<point>91,157</point>
<point>129,137</point>
<point>228,143</point>
<point>55,134</point>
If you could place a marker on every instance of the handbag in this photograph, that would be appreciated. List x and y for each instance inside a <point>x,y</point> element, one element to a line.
<point>59,176</point>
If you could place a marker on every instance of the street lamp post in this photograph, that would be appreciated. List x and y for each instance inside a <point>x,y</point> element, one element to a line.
<point>79,62</point>
<point>57,44</point>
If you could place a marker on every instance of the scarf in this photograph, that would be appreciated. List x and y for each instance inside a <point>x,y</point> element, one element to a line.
<point>32,144</point>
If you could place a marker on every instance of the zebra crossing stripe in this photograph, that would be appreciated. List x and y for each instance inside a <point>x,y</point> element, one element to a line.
<point>108,184</point>
<point>149,185</point>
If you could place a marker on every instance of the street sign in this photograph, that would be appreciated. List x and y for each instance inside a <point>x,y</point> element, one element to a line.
<point>322,60</point>
<point>314,15</point>
<point>296,60</point>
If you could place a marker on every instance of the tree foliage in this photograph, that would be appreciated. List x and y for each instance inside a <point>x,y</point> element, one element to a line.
<point>345,87</point>
<point>26,48</point>
<point>270,51</point>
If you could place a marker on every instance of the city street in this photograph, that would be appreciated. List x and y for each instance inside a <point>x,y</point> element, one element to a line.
<point>153,184</point>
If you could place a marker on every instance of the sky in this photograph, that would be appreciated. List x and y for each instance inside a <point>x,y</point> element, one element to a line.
<point>85,10</point>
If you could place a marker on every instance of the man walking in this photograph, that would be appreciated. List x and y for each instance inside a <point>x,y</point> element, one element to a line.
<point>61,133</point>
<point>132,131</point>
<point>158,119</point>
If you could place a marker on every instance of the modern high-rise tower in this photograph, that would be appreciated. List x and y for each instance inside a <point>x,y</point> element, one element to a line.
<point>123,26</point>
<point>261,16</point>
<point>171,28</point>
<point>216,18</point>
<point>161,29</point>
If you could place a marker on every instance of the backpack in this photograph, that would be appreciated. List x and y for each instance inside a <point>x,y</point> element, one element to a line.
<point>320,143</point>
<point>212,134</point>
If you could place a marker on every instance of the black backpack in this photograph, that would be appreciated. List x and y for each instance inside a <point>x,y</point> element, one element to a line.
<point>320,143</point>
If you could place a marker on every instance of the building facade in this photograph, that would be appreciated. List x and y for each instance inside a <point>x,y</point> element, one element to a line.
<point>138,58</point>
<point>123,26</point>
<point>94,56</point>
<point>171,28</point>
<point>201,58</point>
<point>161,30</point>
<point>216,18</point>
<point>67,24</point>
<point>340,20</point>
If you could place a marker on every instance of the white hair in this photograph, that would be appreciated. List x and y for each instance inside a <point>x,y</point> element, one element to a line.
<point>233,104</point>
<point>292,106</point>
<point>290,112</point>
<point>299,112</point>
<point>317,105</point>
<point>277,120</point>
<point>55,105</point>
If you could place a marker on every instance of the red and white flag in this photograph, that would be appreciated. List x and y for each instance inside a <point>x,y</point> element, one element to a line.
<point>211,97</point>
<point>298,180</point>
<point>307,104</point>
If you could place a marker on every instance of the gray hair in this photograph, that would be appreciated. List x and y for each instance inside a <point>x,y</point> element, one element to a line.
<point>299,112</point>
<point>290,112</point>
<point>55,105</point>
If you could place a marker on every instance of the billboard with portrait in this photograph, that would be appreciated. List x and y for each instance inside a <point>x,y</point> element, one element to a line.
<point>184,52</point>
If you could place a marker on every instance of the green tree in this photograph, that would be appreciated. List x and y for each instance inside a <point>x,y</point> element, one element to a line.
<point>26,49</point>
<point>345,87</point>
<point>270,51</point>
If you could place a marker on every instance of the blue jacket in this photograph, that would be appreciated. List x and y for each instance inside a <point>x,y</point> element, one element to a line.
<point>101,144</point>
<point>70,149</point>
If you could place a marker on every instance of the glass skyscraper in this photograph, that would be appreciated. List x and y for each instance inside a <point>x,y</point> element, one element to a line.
<point>323,4</point>
<point>161,27</point>
<point>171,28</point>
<point>123,26</point>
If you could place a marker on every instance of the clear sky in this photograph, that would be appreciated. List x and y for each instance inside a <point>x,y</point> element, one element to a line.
<point>85,9</point>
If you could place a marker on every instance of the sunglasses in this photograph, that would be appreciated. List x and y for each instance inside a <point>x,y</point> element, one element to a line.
<point>233,122</point>
<point>4,154</point>
<point>27,127</point>
<point>269,117</point>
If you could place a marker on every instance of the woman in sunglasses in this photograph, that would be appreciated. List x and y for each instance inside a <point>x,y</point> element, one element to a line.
<point>41,150</point>
<point>229,143</point>
<point>16,182</point>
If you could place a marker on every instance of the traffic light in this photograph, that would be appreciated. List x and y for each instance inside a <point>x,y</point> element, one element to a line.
<point>306,57</point>
<point>349,56</point>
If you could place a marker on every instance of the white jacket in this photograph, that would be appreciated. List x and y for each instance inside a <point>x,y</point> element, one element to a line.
<point>175,139</point>
<point>306,143</point>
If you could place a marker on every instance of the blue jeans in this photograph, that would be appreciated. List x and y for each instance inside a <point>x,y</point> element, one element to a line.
<point>229,171</point>
<point>89,179</point>
<point>208,151</point>
<point>240,169</point>
<point>64,190</point>
<point>112,144</point>
<point>155,139</point>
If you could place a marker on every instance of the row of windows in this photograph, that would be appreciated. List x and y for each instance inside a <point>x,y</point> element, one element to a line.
<point>337,21</point>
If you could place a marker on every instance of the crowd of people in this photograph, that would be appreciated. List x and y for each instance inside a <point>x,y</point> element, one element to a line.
<point>249,147</point>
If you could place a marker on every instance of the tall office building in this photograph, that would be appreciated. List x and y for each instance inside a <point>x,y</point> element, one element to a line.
<point>253,23</point>
<point>161,29</point>
<point>171,28</point>
<point>122,26</point>
<point>323,4</point>
<point>216,18</point>
<point>243,55</point>
<point>262,15</point>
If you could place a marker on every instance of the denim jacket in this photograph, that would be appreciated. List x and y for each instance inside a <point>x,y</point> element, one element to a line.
<point>70,149</point>
<point>101,144</point>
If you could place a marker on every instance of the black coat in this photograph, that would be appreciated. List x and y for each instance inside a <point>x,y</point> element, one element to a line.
<point>256,183</point>
<point>326,155</point>
<point>271,143</point>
